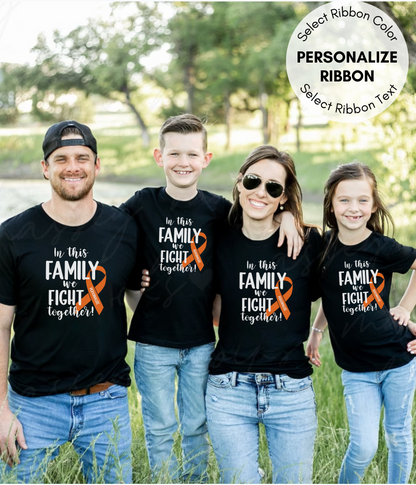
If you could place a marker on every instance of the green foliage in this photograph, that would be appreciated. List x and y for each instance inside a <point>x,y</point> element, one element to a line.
<point>397,134</point>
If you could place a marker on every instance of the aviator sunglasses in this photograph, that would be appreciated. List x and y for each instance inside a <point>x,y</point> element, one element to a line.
<point>251,182</point>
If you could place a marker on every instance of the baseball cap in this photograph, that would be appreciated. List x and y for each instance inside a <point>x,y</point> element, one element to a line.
<point>53,141</point>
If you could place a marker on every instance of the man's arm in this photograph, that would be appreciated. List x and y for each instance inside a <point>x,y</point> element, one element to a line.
<point>10,428</point>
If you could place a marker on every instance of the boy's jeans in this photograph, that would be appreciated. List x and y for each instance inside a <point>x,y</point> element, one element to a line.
<point>365,393</point>
<point>155,368</point>
<point>98,426</point>
<point>236,404</point>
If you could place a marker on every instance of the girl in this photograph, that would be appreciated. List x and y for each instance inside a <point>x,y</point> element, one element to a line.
<point>259,372</point>
<point>357,267</point>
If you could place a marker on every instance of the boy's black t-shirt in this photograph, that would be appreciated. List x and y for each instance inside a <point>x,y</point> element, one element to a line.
<point>177,241</point>
<point>356,282</point>
<point>49,270</point>
<point>247,273</point>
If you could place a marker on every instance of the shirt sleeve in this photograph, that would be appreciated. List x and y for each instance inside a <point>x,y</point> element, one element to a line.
<point>8,270</point>
<point>133,206</point>
<point>398,258</point>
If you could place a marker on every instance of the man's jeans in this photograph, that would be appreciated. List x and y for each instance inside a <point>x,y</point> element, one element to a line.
<point>365,393</point>
<point>155,369</point>
<point>237,403</point>
<point>98,426</point>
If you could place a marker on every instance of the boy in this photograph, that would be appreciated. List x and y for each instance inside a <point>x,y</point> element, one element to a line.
<point>173,323</point>
<point>172,326</point>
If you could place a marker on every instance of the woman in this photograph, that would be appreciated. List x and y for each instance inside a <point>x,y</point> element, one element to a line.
<point>259,372</point>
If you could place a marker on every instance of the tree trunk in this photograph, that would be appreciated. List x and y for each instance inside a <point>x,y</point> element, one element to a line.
<point>298,126</point>
<point>227,116</point>
<point>265,116</point>
<point>189,82</point>
<point>143,127</point>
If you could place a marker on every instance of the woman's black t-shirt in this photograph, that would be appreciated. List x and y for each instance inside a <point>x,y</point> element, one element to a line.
<point>266,304</point>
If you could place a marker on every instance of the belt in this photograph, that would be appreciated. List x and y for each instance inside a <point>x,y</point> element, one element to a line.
<point>103,386</point>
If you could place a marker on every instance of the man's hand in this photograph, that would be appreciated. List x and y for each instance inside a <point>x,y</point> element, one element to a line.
<point>145,280</point>
<point>10,431</point>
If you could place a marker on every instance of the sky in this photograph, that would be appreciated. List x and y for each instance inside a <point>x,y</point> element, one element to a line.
<point>21,21</point>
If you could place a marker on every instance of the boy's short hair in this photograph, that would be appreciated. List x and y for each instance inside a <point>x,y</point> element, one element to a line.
<point>185,123</point>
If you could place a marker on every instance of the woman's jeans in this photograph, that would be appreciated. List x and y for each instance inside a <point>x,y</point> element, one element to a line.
<point>98,426</point>
<point>365,394</point>
<point>155,369</point>
<point>236,404</point>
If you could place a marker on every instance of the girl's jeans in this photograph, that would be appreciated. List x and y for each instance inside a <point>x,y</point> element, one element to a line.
<point>365,394</point>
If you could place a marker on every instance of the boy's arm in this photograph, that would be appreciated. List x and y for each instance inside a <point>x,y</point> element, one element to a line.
<point>216,310</point>
<point>10,428</point>
<point>317,330</point>
<point>289,231</point>
<point>401,313</point>
<point>133,298</point>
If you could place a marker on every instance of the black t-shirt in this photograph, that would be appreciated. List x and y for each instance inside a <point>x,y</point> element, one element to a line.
<point>248,273</point>
<point>356,283</point>
<point>48,270</point>
<point>177,241</point>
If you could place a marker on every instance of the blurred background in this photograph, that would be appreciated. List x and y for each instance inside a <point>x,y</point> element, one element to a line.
<point>124,67</point>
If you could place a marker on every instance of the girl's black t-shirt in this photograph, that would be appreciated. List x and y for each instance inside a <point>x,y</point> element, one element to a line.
<point>266,304</point>
<point>356,282</point>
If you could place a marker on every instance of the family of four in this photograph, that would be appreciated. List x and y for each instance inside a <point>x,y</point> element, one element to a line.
<point>67,264</point>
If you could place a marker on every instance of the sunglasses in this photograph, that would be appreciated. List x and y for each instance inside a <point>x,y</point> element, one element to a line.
<point>251,182</point>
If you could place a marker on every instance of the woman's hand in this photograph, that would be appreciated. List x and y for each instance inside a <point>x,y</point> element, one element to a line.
<point>312,348</point>
<point>400,314</point>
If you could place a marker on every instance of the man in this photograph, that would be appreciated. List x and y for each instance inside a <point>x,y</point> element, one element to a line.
<point>64,267</point>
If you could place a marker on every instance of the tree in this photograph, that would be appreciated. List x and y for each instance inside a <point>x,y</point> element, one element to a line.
<point>104,57</point>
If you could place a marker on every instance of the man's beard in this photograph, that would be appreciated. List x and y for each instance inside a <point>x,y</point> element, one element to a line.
<point>72,196</point>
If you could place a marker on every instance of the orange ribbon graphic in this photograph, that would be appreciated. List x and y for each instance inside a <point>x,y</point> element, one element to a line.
<point>375,293</point>
<point>281,300</point>
<point>93,291</point>
<point>196,253</point>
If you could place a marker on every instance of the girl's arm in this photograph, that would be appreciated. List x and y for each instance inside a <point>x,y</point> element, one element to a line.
<point>317,330</point>
<point>411,346</point>
<point>401,313</point>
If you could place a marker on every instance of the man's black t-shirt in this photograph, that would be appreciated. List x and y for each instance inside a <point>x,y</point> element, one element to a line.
<point>266,304</point>
<point>68,287</point>
<point>356,283</point>
<point>177,240</point>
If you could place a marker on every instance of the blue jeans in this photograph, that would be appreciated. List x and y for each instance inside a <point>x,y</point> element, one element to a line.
<point>155,369</point>
<point>237,403</point>
<point>98,426</point>
<point>365,393</point>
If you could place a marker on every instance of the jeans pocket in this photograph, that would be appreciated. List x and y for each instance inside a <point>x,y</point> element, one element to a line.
<point>116,392</point>
<point>291,384</point>
<point>221,381</point>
